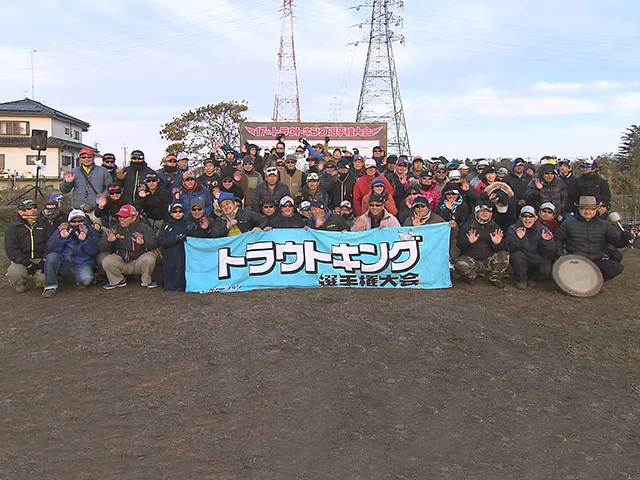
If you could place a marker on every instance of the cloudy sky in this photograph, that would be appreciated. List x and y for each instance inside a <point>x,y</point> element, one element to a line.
<point>478,78</point>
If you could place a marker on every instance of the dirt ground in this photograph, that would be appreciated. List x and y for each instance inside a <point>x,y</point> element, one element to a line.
<point>465,383</point>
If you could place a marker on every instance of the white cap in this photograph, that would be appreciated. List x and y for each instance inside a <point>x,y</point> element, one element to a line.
<point>370,162</point>
<point>548,205</point>
<point>454,174</point>
<point>286,199</point>
<point>272,171</point>
<point>346,203</point>
<point>76,213</point>
<point>528,209</point>
<point>313,176</point>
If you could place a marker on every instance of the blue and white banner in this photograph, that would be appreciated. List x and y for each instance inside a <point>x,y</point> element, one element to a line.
<point>407,257</point>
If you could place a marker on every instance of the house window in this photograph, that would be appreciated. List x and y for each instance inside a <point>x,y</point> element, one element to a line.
<point>1,161</point>
<point>66,160</point>
<point>76,135</point>
<point>67,131</point>
<point>14,128</point>
<point>31,159</point>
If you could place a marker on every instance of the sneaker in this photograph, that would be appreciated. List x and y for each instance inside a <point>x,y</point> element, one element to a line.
<point>497,283</point>
<point>108,286</point>
<point>50,292</point>
<point>149,285</point>
<point>521,285</point>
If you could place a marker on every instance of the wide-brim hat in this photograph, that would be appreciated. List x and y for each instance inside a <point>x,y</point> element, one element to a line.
<point>586,202</point>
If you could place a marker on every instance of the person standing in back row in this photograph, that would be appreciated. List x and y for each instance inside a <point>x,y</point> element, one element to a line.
<point>134,176</point>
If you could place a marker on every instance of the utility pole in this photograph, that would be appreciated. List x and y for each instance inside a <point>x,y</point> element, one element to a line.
<point>286,105</point>
<point>95,146</point>
<point>124,150</point>
<point>380,99</point>
<point>33,85</point>
<point>335,110</point>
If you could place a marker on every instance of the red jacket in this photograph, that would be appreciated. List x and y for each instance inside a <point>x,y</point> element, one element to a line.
<point>363,187</point>
<point>433,195</point>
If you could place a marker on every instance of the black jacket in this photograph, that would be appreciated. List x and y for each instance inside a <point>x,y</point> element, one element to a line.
<point>592,185</point>
<point>155,206</point>
<point>341,190</point>
<point>125,245</point>
<point>332,223</point>
<point>518,185</point>
<point>262,192</point>
<point>134,177</point>
<point>194,229</point>
<point>23,242</point>
<point>590,239</point>
<point>107,214</point>
<point>483,248</point>
<point>294,221</point>
<point>247,221</point>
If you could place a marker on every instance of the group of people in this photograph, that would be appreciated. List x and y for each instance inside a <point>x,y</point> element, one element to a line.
<point>129,221</point>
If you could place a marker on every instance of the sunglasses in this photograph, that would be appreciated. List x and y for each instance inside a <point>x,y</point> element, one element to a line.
<point>86,156</point>
<point>528,215</point>
<point>268,206</point>
<point>189,179</point>
<point>375,204</point>
<point>279,164</point>
<point>114,193</point>
<point>299,151</point>
<point>420,205</point>
<point>170,161</point>
<point>178,210</point>
<point>287,205</point>
<point>107,161</point>
<point>279,148</point>
<point>196,209</point>
<point>290,163</point>
<point>151,181</point>
<point>227,181</point>
<point>546,210</point>
<point>76,221</point>
<point>30,208</point>
<point>137,158</point>
<point>412,194</point>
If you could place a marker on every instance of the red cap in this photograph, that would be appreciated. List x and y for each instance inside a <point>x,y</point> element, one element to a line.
<point>126,211</point>
<point>87,150</point>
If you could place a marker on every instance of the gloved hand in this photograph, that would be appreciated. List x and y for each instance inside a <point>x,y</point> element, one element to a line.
<point>180,236</point>
<point>627,236</point>
<point>34,267</point>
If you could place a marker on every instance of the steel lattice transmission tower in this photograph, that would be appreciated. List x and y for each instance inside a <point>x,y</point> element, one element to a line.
<point>380,99</point>
<point>286,105</point>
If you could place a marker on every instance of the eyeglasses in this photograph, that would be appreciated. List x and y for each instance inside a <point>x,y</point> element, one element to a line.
<point>279,164</point>
<point>178,211</point>
<point>189,179</point>
<point>268,206</point>
<point>375,204</point>
<point>290,163</point>
<point>86,156</point>
<point>549,173</point>
<point>151,181</point>
<point>330,167</point>
<point>527,215</point>
<point>196,209</point>
<point>76,221</point>
<point>287,205</point>
<point>299,151</point>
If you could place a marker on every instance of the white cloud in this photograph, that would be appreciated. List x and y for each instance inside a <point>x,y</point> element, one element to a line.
<point>557,87</point>
<point>627,102</point>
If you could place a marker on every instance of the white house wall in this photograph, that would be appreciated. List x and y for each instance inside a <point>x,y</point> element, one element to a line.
<point>59,131</point>
<point>15,159</point>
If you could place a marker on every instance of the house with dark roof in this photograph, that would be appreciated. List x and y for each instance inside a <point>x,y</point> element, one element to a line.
<point>18,119</point>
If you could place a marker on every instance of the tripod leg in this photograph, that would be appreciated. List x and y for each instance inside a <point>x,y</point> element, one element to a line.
<point>15,200</point>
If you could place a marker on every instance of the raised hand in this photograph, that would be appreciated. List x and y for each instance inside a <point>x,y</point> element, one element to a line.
<point>547,234</point>
<point>69,177</point>
<point>496,236</point>
<point>539,184</point>
<point>111,235</point>
<point>521,232</point>
<point>472,236</point>
<point>415,220</point>
<point>204,223</point>
<point>102,201</point>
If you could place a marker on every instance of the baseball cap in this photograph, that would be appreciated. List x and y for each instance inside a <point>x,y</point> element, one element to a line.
<point>528,209</point>
<point>286,199</point>
<point>370,163</point>
<point>108,156</point>
<point>358,157</point>
<point>345,203</point>
<point>248,159</point>
<point>313,176</point>
<point>76,213</point>
<point>463,166</point>
<point>418,159</point>
<point>225,196</point>
<point>115,188</point>
<point>305,206</point>
<point>518,161</point>
<point>377,181</point>
<point>548,205</point>
<point>482,206</point>
<point>503,171</point>
<point>127,211</point>
<point>290,156</point>
<point>454,174</point>
<point>588,163</point>
<point>87,150</point>
<point>420,200</point>
<point>25,204</point>
<point>150,177</point>
<point>272,171</point>
<point>376,199</point>
<point>317,203</point>
<point>402,161</point>
<point>137,154</point>
<point>392,158</point>
<point>197,202</point>
<point>343,163</point>
<point>51,205</point>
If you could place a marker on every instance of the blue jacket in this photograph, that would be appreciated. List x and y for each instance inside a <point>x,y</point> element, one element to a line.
<point>98,177</point>
<point>73,250</point>
<point>187,197</point>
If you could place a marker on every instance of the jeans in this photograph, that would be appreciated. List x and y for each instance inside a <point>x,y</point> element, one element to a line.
<point>55,265</point>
